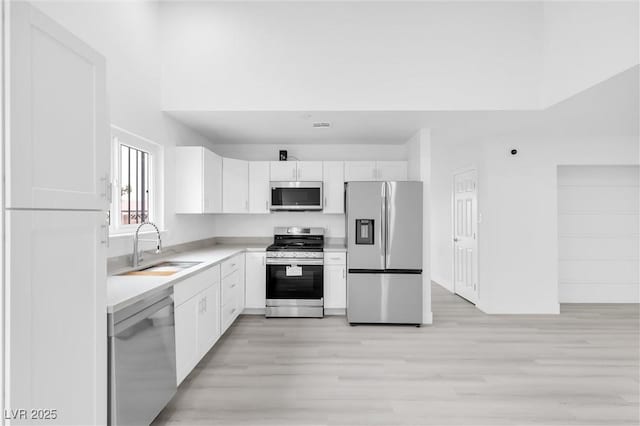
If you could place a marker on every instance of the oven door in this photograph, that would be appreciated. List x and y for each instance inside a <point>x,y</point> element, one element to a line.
<point>296,195</point>
<point>294,281</point>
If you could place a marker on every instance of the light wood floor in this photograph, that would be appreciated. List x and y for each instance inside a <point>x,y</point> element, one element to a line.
<point>468,368</point>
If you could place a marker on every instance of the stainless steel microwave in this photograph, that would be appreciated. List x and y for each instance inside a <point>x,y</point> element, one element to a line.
<point>296,196</point>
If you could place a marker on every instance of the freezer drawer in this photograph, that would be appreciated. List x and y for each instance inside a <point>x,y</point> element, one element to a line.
<point>384,298</point>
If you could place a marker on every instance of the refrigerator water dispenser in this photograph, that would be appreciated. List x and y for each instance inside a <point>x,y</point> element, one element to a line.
<point>364,231</point>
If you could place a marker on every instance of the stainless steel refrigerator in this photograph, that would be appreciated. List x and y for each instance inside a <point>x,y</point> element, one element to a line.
<point>384,249</point>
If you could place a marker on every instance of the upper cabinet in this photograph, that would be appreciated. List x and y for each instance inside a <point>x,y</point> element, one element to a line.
<point>391,170</point>
<point>259,187</point>
<point>375,170</point>
<point>235,186</point>
<point>309,170</point>
<point>58,145</point>
<point>333,187</point>
<point>296,170</point>
<point>359,170</point>
<point>283,170</point>
<point>198,180</point>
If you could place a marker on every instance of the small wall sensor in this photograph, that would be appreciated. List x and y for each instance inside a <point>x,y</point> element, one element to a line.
<point>514,152</point>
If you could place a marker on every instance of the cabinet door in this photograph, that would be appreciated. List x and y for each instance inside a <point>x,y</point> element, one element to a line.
<point>335,286</point>
<point>333,187</point>
<point>309,171</point>
<point>255,280</point>
<point>186,319</point>
<point>208,319</point>
<point>189,179</point>
<point>235,182</point>
<point>391,170</point>
<point>56,352</point>
<point>58,146</point>
<point>359,171</point>
<point>241,282</point>
<point>283,170</point>
<point>259,187</point>
<point>212,182</point>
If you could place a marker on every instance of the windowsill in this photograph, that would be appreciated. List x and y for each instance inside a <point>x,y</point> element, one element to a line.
<point>130,233</point>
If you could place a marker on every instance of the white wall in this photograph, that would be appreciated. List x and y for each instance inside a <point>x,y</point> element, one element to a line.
<point>351,55</point>
<point>599,234</point>
<point>419,168</point>
<point>586,43</point>
<point>127,34</point>
<point>318,152</point>
<point>518,253</point>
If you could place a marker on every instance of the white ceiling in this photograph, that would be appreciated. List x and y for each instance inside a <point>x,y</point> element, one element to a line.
<point>375,127</point>
<point>615,100</point>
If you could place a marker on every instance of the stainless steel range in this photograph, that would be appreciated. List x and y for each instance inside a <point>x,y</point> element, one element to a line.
<point>295,263</point>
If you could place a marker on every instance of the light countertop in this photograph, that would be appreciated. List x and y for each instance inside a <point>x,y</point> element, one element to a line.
<point>335,247</point>
<point>125,290</point>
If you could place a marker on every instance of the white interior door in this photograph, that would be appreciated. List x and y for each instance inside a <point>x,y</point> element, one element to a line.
<point>57,328</point>
<point>58,147</point>
<point>465,233</point>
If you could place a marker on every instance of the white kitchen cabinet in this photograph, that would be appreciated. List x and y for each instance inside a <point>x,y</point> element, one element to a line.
<point>235,186</point>
<point>359,171</point>
<point>198,180</point>
<point>283,170</point>
<point>296,170</point>
<point>56,353</point>
<point>335,280</point>
<point>186,323</point>
<point>58,142</point>
<point>375,170</point>
<point>255,280</point>
<point>309,171</point>
<point>391,170</point>
<point>232,290</point>
<point>197,318</point>
<point>208,319</point>
<point>259,188</point>
<point>333,187</point>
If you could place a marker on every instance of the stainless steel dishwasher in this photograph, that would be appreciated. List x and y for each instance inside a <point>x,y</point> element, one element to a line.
<point>142,360</point>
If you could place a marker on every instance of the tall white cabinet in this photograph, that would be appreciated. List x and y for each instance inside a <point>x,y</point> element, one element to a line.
<point>333,187</point>
<point>258,187</point>
<point>235,186</point>
<point>198,180</point>
<point>57,194</point>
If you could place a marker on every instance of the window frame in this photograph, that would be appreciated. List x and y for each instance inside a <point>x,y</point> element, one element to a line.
<point>120,136</point>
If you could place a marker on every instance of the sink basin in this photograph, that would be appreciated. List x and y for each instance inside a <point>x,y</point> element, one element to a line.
<point>163,269</point>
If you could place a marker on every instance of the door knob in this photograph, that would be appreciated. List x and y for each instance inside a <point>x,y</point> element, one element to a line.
<point>455,240</point>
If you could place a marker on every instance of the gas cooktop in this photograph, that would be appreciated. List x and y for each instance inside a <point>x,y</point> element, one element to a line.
<point>297,239</point>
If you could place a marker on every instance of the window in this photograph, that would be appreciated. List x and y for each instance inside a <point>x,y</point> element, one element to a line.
<point>137,166</point>
<point>134,185</point>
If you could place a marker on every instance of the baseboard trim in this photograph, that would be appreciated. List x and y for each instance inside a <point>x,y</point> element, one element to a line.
<point>335,311</point>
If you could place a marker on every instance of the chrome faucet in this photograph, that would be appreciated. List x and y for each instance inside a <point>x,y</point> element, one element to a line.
<point>136,258</point>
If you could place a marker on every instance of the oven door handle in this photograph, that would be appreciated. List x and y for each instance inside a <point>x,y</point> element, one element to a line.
<point>295,262</point>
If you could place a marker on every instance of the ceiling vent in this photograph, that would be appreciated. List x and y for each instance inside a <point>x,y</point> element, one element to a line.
<point>321,124</point>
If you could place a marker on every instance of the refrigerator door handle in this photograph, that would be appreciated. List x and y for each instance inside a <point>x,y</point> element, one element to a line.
<point>383,224</point>
<point>387,222</point>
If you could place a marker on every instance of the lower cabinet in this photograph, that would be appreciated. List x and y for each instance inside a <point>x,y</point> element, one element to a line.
<point>232,290</point>
<point>197,318</point>
<point>335,280</point>
<point>255,280</point>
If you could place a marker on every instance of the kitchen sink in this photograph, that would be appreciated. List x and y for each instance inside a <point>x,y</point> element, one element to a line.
<point>163,268</point>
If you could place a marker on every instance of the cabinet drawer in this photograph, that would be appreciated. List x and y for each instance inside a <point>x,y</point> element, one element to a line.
<point>230,312</point>
<point>231,265</point>
<point>231,286</point>
<point>335,258</point>
<point>186,289</point>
